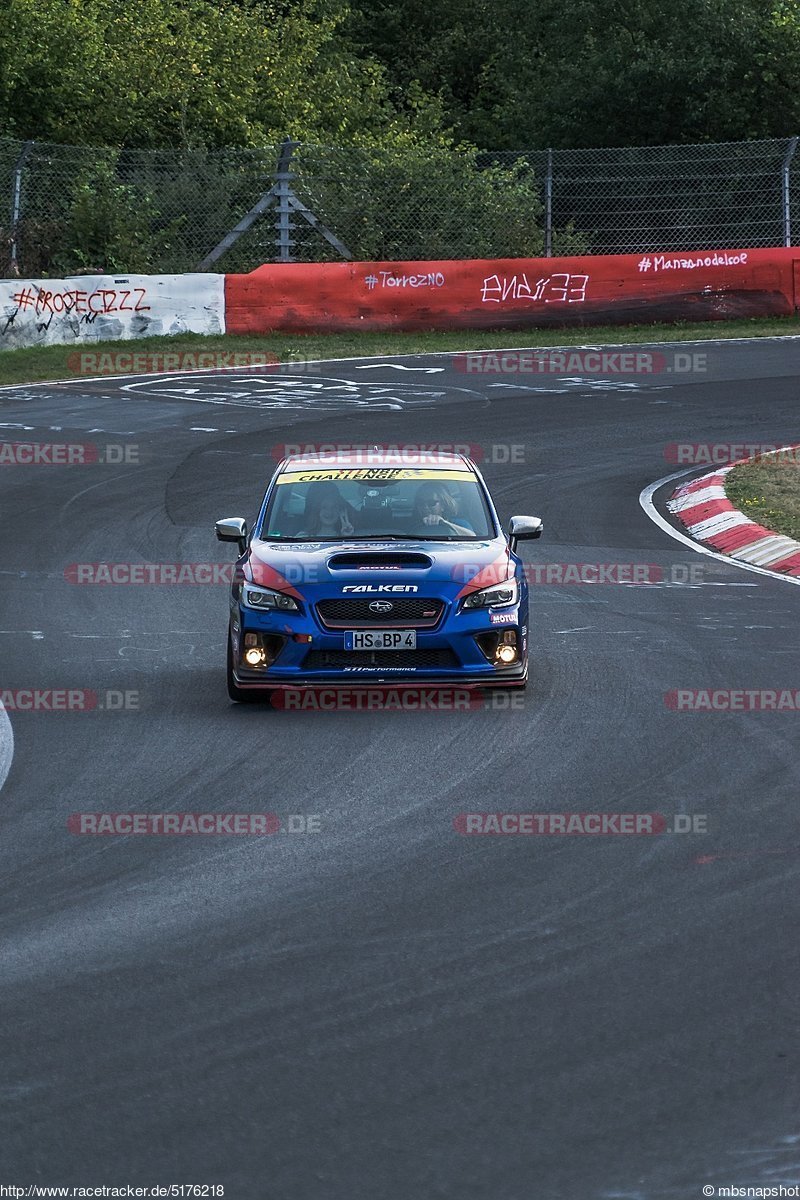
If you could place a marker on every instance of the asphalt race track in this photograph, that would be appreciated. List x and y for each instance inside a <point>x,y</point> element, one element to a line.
<point>386,1009</point>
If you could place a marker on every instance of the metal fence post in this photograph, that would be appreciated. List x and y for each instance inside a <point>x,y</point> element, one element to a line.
<point>548,207</point>
<point>283,191</point>
<point>787,210</point>
<point>282,194</point>
<point>16,197</point>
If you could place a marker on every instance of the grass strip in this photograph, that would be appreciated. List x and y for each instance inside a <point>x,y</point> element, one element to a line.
<point>768,489</point>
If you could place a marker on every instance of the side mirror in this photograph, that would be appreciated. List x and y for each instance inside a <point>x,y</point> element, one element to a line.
<point>523,529</point>
<point>233,529</point>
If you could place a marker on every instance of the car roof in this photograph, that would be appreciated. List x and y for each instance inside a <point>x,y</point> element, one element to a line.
<point>416,456</point>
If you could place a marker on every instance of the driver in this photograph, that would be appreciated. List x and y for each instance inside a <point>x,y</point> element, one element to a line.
<point>434,508</point>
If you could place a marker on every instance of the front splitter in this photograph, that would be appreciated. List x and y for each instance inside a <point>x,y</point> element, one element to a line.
<point>470,683</point>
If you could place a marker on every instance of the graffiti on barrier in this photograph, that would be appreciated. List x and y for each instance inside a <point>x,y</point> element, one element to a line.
<point>60,311</point>
<point>83,303</point>
<point>433,279</point>
<point>560,288</point>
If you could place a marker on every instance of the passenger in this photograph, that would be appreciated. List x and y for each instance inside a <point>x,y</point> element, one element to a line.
<point>327,513</point>
<point>434,508</point>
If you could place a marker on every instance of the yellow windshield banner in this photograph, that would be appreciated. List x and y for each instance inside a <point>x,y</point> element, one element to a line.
<point>367,474</point>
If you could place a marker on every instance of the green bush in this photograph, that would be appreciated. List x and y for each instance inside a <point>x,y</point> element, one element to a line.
<point>111,226</point>
<point>414,203</point>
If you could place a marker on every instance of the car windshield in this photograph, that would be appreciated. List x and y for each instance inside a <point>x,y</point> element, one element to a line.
<point>377,502</point>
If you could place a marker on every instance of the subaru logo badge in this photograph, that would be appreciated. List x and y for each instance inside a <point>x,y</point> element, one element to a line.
<point>381,606</point>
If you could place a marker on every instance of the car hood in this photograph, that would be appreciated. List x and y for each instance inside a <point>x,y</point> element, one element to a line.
<point>372,567</point>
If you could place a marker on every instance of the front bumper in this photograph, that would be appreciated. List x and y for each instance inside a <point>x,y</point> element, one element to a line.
<point>448,656</point>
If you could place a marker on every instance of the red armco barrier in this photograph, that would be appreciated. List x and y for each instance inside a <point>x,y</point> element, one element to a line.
<point>513,292</point>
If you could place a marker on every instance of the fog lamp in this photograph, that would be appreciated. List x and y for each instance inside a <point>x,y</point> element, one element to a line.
<point>506,651</point>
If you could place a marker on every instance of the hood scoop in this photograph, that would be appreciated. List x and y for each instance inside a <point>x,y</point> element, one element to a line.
<point>379,560</point>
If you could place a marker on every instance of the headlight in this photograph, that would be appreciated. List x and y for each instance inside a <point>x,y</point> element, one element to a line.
<point>499,595</point>
<point>262,598</point>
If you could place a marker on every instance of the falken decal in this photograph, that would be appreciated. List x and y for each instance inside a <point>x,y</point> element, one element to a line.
<point>375,588</point>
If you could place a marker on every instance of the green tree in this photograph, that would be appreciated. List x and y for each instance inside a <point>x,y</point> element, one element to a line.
<point>187,73</point>
<point>575,73</point>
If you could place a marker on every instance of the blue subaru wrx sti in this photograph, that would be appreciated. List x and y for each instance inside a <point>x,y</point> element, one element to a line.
<point>380,573</point>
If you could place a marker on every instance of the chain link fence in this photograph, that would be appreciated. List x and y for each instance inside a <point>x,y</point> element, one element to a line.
<point>65,208</point>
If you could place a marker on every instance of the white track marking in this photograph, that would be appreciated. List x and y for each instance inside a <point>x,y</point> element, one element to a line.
<point>400,367</point>
<point>646,501</point>
<point>575,383</point>
<point>781,337</point>
<point>6,744</point>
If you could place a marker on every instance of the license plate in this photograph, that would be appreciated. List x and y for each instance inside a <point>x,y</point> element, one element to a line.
<point>380,639</point>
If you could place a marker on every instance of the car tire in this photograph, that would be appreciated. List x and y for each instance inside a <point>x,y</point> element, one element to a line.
<point>241,695</point>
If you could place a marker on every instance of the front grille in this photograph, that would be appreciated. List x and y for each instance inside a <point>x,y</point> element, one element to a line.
<point>424,660</point>
<point>409,612</point>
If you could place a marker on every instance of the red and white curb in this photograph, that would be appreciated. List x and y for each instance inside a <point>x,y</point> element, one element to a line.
<point>709,517</point>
